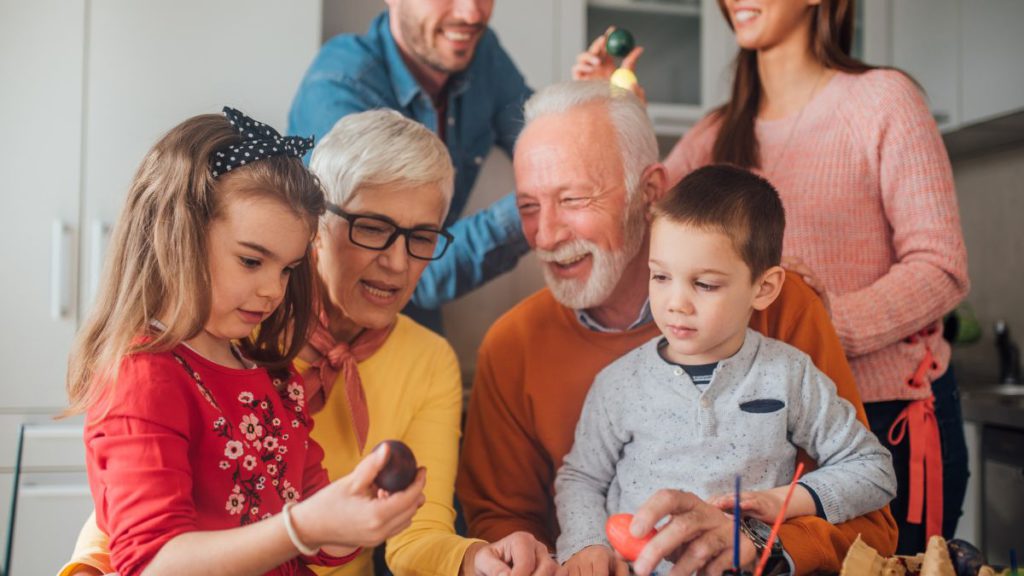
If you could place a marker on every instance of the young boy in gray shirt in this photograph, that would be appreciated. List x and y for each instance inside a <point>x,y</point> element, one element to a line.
<point>711,399</point>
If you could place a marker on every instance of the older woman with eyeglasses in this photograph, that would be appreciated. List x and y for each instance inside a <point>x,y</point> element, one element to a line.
<point>371,373</point>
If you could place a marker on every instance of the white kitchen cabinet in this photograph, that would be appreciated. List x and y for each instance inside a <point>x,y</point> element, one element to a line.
<point>152,64</point>
<point>991,69</point>
<point>687,50</point>
<point>53,496</point>
<point>926,45</point>
<point>41,71</point>
<point>87,88</point>
<point>529,32</point>
<point>966,57</point>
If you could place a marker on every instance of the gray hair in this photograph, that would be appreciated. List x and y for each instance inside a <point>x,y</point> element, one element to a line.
<point>634,132</point>
<point>380,148</point>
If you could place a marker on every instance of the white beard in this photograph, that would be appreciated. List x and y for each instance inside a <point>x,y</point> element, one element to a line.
<point>607,267</point>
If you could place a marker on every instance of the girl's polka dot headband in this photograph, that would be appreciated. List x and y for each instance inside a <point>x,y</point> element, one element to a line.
<point>258,141</point>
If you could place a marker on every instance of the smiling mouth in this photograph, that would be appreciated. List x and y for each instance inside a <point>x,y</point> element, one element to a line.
<point>379,291</point>
<point>569,262</point>
<point>746,15</point>
<point>458,36</point>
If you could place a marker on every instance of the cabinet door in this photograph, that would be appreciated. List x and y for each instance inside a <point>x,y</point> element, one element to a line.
<point>40,159</point>
<point>153,64</point>
<point>51,511</point>
<point>528,31</point>
<point>926,44</point>
<point>718,52</point>
<point>993,82</point>
<point>53,495</point>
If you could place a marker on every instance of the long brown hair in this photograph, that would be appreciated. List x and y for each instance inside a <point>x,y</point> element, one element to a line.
<point>158,261</point>
<point>831,41</point>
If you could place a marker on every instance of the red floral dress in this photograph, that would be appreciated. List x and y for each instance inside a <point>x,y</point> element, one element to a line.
<point>183,444</point>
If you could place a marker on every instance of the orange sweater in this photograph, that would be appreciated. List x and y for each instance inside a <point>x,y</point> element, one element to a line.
<point>535,367</point>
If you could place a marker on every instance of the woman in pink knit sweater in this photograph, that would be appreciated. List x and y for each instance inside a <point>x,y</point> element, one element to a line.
<point>872,224</point>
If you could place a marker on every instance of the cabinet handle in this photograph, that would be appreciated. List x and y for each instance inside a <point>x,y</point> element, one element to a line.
<point>60,275</point>
<point>100,238</point>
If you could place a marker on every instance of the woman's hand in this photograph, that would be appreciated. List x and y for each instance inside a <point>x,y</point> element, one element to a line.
<point>518,554</point>
<point>597,64</point>
<point>351,512</point>
<point>598,560</point>
<point>697,536</point>
<point>798,266</point>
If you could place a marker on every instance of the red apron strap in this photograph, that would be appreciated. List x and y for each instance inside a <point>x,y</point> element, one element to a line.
<point>918,419</point>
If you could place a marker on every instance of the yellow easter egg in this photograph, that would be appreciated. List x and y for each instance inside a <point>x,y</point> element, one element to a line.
<point>623,78</point>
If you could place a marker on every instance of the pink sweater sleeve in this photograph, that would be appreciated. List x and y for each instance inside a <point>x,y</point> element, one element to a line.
<point>929,274</point>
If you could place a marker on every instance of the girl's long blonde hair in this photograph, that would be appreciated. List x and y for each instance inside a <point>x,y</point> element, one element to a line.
<point>158,261</point>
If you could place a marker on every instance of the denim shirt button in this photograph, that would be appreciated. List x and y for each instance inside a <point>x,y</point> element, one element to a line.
<point>451,121</point>
<point>478,160</point>
<point>678,371</point>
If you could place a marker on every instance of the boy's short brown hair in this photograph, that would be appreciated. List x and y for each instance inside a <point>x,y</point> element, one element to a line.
<point>736,202</point>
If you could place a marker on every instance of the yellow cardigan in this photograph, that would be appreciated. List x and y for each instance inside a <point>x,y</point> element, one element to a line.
<point>414,393</point>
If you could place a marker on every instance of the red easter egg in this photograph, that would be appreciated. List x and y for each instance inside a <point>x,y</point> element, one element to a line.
<point>617,529</point>
<point>400,469</point>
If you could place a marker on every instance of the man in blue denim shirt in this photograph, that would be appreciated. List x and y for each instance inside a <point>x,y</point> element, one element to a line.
<point>439,64</point>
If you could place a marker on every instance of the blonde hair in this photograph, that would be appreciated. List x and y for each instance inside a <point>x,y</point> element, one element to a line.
<point>158,261</point>
<point>380,148</point>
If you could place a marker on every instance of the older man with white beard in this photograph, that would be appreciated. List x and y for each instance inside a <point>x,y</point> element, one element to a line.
<point>587,171</point>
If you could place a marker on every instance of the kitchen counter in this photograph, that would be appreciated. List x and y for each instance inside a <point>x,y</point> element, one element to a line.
<point>999,404</point>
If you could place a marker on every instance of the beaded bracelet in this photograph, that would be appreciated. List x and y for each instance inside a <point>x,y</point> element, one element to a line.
<point>293,535</point>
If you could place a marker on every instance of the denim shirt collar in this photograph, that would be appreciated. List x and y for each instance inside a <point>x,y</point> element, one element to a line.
<point>404,84</point>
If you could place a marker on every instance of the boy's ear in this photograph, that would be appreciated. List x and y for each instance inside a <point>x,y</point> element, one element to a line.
<point>769,285</point>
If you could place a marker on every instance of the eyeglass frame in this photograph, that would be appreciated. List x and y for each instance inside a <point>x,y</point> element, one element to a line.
<point>399,231</point>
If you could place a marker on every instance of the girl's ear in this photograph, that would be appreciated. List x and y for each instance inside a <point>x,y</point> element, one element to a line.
<point>769,285</point>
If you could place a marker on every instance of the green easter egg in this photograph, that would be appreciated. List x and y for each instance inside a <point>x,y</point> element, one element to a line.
<point>620,43</point>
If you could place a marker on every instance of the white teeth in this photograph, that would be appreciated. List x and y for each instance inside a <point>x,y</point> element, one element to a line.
<point>457,36</point>
<point>572,261</point>
<point>747,15</point>
<point>377,291</point>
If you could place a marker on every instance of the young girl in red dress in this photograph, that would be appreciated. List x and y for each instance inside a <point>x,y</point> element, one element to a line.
<point>197,432</point>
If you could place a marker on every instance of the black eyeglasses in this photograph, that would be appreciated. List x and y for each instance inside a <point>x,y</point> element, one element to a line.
<point>379,233</point>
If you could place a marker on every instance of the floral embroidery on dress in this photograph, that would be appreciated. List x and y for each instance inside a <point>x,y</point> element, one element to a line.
<point>253,447</point>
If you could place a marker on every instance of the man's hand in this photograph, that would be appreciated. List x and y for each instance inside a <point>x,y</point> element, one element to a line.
<point>697,537</point>
<point>518,554</point>
<point>597,560</point>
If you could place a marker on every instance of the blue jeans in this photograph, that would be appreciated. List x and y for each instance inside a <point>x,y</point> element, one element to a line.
<point>954,461</point>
